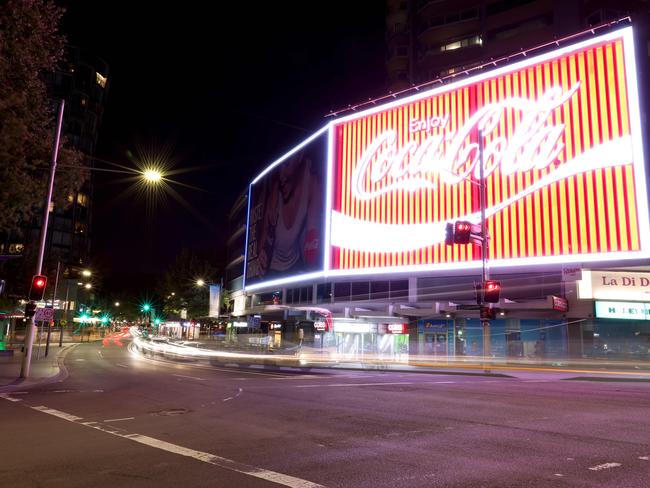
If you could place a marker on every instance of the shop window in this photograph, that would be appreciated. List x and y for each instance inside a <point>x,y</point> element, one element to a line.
<point>82,199</point>
<point>324,293</point>
<point>360,290</point>
<point>306,294</point>
<point>399,289</point>
<point>379,290</point>
<point>342,291</point>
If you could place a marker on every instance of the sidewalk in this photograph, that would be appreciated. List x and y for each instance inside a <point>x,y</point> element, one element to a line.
<point>43,370</point>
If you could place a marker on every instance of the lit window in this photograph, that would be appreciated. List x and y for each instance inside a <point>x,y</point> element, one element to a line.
<point>82,199</point>
<point>101,80</point>
<point>468,41</point>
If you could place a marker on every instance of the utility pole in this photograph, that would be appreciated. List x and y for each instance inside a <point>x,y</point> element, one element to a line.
<point>49,324</point>
<point>30,329</point>
<point>485,321</point>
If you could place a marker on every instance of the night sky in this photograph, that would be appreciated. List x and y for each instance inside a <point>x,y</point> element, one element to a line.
<point>224,86</point>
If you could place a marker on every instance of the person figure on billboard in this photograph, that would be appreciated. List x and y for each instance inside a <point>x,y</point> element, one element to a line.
<point>290,231</point>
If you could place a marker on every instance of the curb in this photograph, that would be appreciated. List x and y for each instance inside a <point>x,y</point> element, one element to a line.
<point>20,383</point>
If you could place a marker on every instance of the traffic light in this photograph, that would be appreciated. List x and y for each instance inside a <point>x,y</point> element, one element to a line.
<point>37,290</point>
<point>30,309</point>
<point>491,291</point>
<point>449,234</point>
<point>462,232</point>
<point>488,313</point>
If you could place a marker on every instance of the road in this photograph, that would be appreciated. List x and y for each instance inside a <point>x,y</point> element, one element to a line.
<point>121,420</point>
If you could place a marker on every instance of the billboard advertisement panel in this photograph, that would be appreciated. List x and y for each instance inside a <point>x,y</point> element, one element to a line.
<point>563,165</point>
<point>286,215</point>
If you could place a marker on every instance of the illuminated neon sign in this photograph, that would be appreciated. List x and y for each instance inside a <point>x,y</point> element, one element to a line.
<point>563,166</point>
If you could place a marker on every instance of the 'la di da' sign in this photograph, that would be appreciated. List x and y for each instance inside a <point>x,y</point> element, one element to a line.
<point>563,167</point>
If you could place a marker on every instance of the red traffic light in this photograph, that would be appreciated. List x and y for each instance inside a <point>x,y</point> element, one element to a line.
<point>37,290</point>
<point>462,232</point>
<point>491,291</point>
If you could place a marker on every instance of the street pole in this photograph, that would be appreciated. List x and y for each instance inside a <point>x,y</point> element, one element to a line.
<point>65,313</point>
<point>29,332</point>
<point>49,324</point>
<point>485,322</point>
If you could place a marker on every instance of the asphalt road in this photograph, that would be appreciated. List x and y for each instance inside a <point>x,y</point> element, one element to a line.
<point>120,420</point>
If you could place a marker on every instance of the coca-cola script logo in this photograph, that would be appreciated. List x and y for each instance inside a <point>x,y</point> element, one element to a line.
<point>535,144</point>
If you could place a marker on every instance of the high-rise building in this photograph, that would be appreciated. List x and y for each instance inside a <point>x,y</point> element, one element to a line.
<point>82,82</point>
<point>431,39</point>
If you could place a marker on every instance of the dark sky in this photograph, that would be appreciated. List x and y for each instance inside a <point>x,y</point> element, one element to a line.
<point>227,86</point>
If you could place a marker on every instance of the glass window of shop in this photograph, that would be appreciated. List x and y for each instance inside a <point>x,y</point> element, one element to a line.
<point>618,339</point>
<point>324,293</point>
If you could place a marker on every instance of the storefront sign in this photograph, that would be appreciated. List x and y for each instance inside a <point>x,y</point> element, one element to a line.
<point>614,285</point>
<point>239,306</point>
<point>431,326</point>
<point>623,310</point>
<point>320,325</point>
<point>558,303</point>
<point>397,328</point>
<point>355,328</point>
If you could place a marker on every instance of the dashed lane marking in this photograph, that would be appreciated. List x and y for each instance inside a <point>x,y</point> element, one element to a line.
<point>7,397</point>
<point>206,457</point>
<point>644,458</point>
<point>601,467</point>
<point>119,420</point>
<point>233,397</point>
<point>190,377</point>
<point>57,413</point>
<point>334,385</point>
<point>121,365</point>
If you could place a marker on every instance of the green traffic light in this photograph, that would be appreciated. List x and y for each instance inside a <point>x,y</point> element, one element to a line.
<point>104,319</point>
<point>146,307</point>
<point>156,321</point>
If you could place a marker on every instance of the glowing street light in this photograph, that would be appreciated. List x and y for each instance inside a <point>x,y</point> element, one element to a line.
<point>152,175</point>
<point>117,304</point>
<point>200,282</point>
<point>88,286</point>
<point>86,273</point>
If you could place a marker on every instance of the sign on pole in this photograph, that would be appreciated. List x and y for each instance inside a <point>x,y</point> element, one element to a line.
<point>44,315</point>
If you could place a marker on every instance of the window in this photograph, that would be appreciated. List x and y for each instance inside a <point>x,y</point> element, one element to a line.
<point>324,293</point>
<point>468,41</point>
<point>360,290</point>
<point>101,80</point>
<point>82,199</point>
<point>379,290</point>
<point>399,289</point>
<point>342,291</point>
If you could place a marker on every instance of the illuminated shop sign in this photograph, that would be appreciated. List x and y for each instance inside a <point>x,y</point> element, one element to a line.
<point>563,165</point>
<point>623,310</point>
<point>355,328</point>
<point>614,285</point>
<point>397,328</point>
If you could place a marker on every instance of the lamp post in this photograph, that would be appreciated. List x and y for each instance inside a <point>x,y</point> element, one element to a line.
<point>29,332</point>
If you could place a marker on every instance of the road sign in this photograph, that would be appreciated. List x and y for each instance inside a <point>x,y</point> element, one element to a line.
<point>44,315</point>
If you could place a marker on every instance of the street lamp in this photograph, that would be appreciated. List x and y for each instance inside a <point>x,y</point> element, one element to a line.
<point>152,175</point>
<point>117,304</point>
<point>86,273</point>
<point>200,282</point>
<point>88,286</point>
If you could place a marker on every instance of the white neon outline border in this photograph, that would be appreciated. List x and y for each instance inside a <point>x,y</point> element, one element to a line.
<point>290,152</point>
<point>327,252</point>
<point>626,34</point>
<point>248,214</point>
<point>556,53</point>
<point>637,137</point>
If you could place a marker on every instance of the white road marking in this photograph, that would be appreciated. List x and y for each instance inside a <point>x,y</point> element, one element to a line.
<point>119,420</point>
<point>190,377</point>
<point>99,353</point>
<point>19,392</point>
<point>79,359</point>
<point>206,457</point>
<point>7,397</point>
<point>121,365</point>
<point>231,398</point>
<point>644,458</point>
<point>600,467</point>
<point>354,384</point>
<point>57,413</point>
<point>560,475</point>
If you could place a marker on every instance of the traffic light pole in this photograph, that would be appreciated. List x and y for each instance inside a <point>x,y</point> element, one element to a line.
<point>485,322</point>
<point>31,328</point>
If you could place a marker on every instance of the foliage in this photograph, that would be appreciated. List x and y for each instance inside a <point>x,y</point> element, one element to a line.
<point>180,279</point>
<point>29,45</point>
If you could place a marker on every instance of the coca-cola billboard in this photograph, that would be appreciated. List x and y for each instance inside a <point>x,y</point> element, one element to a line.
<point>563,167</point>
<point>286,215</point>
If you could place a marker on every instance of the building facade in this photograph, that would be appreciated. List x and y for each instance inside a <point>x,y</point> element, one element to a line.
<point>346,234</point>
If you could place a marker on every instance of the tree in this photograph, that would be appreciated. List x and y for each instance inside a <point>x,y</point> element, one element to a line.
<point>180,279</point>
<point>29,45</point>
